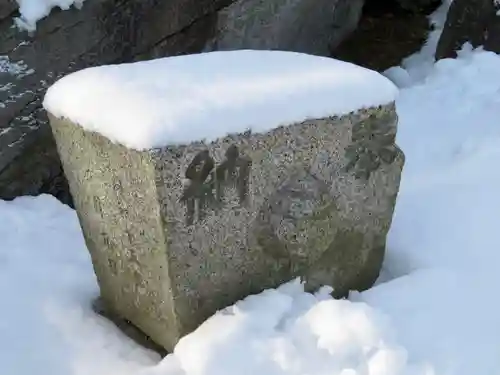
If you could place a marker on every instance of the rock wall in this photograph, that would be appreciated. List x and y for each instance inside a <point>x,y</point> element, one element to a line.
<point>473,21</point>
<point>115,31</point>
<point>313,27</point>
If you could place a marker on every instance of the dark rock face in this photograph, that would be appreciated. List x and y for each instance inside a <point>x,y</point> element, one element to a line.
<point>115,31</point>
<point>473,21</point>
<point>309,26</point>
<point>386,34</point>
<point>414,5</point>
<point>7,7</point>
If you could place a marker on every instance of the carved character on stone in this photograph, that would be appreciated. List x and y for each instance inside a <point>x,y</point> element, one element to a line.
<point>372,144</point>
<point>293,224</point>
<point>206,186</point>
<point>234,171</point>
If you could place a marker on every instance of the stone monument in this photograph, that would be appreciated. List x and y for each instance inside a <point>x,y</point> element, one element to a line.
<point>178,232</point>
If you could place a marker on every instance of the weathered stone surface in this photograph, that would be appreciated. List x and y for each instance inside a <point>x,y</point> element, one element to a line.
<point>473,21</point>
<point>309,26</point>
<point>313,199</point>
<point>102,32</point>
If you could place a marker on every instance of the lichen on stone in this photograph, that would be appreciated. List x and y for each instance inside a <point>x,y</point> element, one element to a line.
<point>373,143</point>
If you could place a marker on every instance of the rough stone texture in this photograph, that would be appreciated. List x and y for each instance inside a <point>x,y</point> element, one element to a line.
<point>473,21</point>
<point>313,199</point>
<point>102,32</point>
<point>309,26</point>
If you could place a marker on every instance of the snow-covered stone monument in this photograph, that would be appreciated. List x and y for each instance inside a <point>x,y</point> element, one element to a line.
<point>201,179</point>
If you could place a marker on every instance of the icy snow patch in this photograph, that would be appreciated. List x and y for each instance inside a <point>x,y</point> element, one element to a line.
<point>205,96</point>
<point>18,69</point>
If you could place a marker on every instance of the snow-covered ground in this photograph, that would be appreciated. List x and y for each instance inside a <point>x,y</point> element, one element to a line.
<point>434,311</point>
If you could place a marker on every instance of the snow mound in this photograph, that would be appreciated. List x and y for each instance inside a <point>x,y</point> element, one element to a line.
<point>34,10</point>
<point>182,99</point>
<point>288,331</point>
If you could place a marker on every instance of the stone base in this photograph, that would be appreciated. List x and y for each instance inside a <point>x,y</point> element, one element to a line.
<point>127,327</point>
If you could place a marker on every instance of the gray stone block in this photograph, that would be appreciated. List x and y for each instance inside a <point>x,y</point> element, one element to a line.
<point>308,26</point>
<point>179,232</point>
<point>473,21</point>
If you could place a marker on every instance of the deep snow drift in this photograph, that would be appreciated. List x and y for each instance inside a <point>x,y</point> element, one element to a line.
<point>436,314</point>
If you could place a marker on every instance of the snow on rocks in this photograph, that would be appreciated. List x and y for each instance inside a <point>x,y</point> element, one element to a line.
<point>15,69</point>
<point>31,11</point>
<point>205,96</point>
